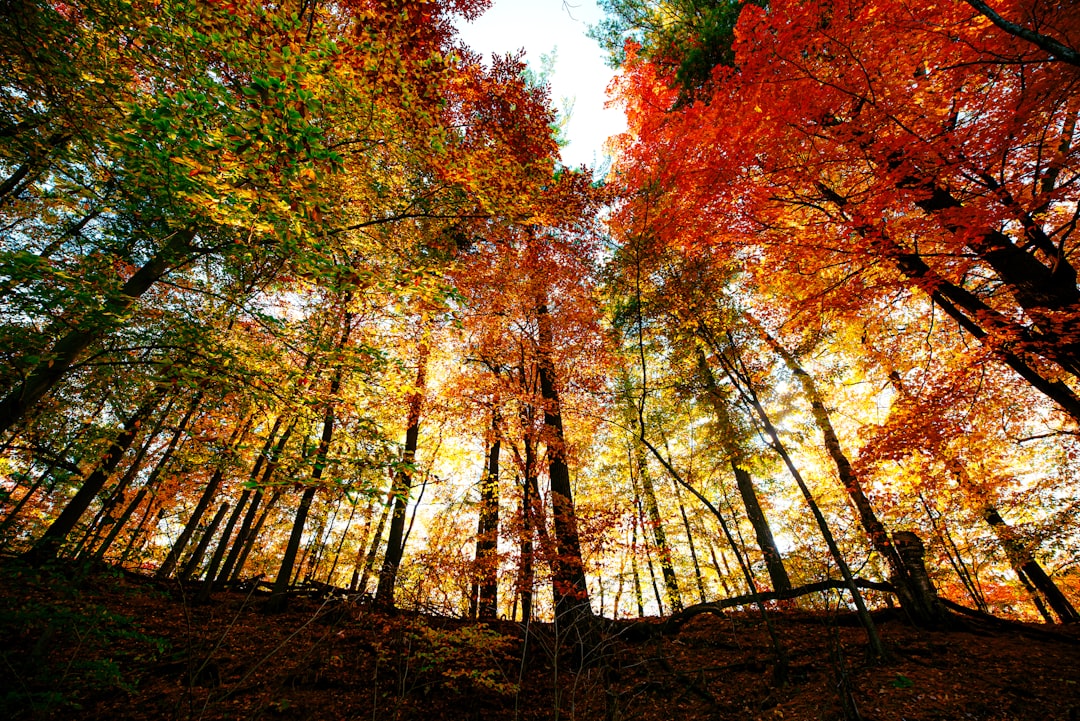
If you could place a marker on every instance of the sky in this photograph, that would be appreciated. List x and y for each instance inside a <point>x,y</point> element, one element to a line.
<point>580,76</point>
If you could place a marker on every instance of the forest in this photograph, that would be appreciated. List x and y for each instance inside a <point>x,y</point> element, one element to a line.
<point>328,391</point>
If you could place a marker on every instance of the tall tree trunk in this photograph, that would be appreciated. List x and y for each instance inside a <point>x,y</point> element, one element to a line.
<point>117,495</point>
<point>649,564</point>
<point>320,539</point>
<point>278,599</point>
<point>1022,559</point>
<point>245,539</point>
<point>196,558</point>
<point>691,545</point>
<point>137,534</point>
<point>384,594</point>
<point>529,521</point>
<point>956,559</point>
<point>376,538</point>
<point>922,609</point>
<point>249,543</point>
<point>639,596</point>
<point>102,519</point>
<point>487,562</point>
<point>659,536</point>
<point>119,523</point>
<point>341,543</point>
<point>774,562</point>
<point>741,381</point>
<point>92,326</point>
<point>568,576</point>
<point>177,550</point>
<point>50,542</point>
<point>207,496</point>
<point>219,552</point>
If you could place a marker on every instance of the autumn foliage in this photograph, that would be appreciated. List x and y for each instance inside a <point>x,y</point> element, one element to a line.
<point>302,298</point>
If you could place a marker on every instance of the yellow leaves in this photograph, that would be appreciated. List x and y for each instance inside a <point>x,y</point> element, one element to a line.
<point>194,166</point>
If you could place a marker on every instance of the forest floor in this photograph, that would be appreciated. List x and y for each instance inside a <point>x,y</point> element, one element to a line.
<point>112,645</point>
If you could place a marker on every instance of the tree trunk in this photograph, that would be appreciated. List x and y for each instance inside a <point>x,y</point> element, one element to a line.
<point>92,326</point>
<point>190,527</point>
<point>774,562</point>
<point>922,609</point>
<point>117,495</point>
<point>341,543</point>
<point>487,561</point>
<point>376,539</point>
<point>739,378</point>
<point>639,597</point>
<point>693,549</point>
<point>219,552</point>
<point>278,599</point>
<point>97,526</point>
<point>663,551</point>
<point>119,524</point>
<point>956,560</point>
<point>568,576</point>
<point>138,532</point>
<point>249,544</point>
<point>245,539</point>
<point>384,594</point>
<point>204,543</point>
<point>526,574</point>
<point>1025,561</point>
<point>49,544</point>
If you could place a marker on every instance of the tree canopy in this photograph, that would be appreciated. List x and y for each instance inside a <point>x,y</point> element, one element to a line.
<point>305,292</point>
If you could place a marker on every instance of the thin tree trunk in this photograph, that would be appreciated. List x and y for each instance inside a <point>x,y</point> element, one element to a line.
<point>341,544</point>
<point>487,536</point>
<point>137,533</point>
<point>693,552</point>
<point>245,539</point>
<point>321,540</point>
<point>49,544</point>
<point>956,560</point>
<point>278,599</point>
<point>376,538</point>
<point>749,395</point>
<point>97,526</point>
<point>191,526</point>
<point>384,594</point>
<point>117,495</point>
<point>649,564</point>
<point>722,575</point>
<point>195,561</point>
<point>526,578</point>
<point>219,552</point>
<point>774,562</point>
<point>249,544</point>
<point>119,524</point>
<point>923,610</point>
<point>1025,562</point>
<point>639,597</point>
<point>94,325</point>
<point>648,497</point>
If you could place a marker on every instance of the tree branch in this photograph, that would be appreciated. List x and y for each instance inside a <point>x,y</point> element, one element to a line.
<point>1056,49</point>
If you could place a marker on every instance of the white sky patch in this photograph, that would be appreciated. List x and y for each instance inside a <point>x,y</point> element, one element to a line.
<point>580,76</point>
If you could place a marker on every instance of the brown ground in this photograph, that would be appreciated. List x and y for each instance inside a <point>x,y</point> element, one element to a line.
<point>115,646</point>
